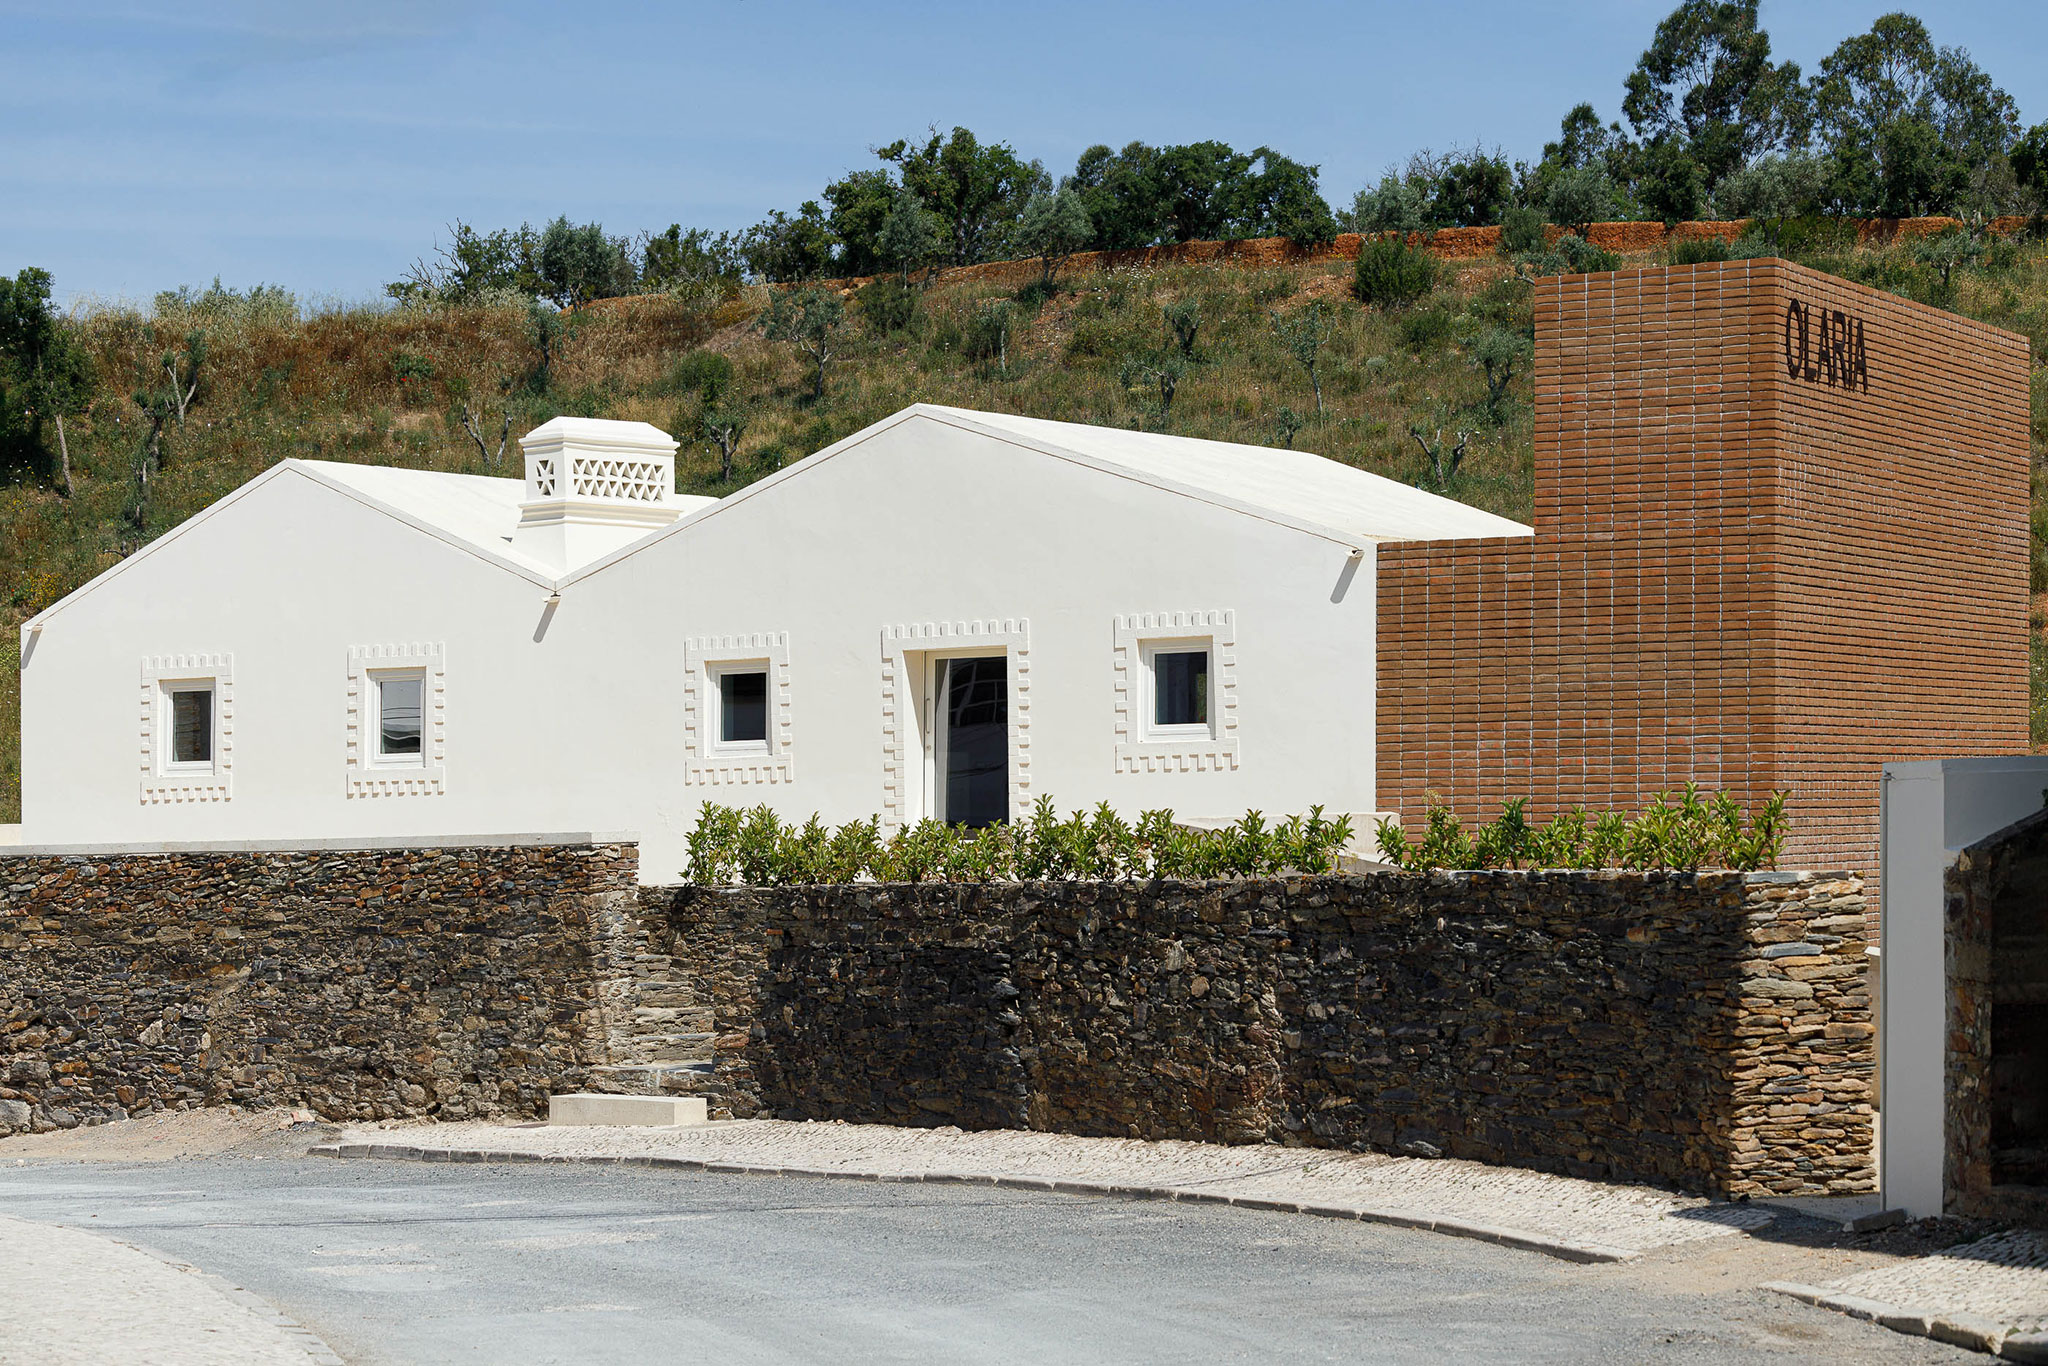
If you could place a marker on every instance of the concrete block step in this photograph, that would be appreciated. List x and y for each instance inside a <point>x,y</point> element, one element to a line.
<point>587,1108</point>
<point>652,1079</point>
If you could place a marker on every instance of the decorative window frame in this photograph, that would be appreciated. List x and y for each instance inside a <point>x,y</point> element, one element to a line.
<point>903,689</point>
<point>159,783</point>
<point>704,763</point>
<point>1136,750</point>
<point>365,776</point>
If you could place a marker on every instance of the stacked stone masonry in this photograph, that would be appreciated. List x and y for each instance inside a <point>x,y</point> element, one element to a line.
<point>1711,1031</point>
<point>1762,561</point>
<point>362,984</point>
<point>1996,909</point>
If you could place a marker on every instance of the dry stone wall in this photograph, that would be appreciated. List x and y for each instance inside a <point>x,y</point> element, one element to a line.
<point>1996,911</point>
<point>359,983</point>
<point>1712,1031</point>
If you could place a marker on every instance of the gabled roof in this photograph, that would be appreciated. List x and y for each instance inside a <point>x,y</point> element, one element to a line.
<point>474,509</point>
<point>452,508</point>
<point>1296,489</point>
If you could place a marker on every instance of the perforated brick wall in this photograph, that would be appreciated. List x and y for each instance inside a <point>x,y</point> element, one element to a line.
<point>1764,558</point>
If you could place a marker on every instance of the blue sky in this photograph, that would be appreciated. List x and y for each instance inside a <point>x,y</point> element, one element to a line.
<point>324,146</point>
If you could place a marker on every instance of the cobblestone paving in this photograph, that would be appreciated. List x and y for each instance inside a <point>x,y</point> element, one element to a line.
<point>70,1297</point>
<point>2003,1277</point>
<point>1621,1219</point>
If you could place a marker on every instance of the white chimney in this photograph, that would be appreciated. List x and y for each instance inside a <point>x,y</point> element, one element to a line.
<point>592,486</point>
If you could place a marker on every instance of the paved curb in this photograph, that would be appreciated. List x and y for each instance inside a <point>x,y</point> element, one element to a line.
<point>1400,1218</point>
<point>1973,1331</point>
<point>317,1351</point>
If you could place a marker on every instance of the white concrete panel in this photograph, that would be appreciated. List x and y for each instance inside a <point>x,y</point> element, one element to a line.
<point>592,1108</point>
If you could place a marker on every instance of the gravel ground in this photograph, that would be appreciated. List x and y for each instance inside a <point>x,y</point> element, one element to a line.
<point>1622,1219</point>
<point>74,1297</point>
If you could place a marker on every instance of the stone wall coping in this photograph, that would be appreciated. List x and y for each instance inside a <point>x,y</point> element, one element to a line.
<point>1772,878</point>
<point>365,844</point>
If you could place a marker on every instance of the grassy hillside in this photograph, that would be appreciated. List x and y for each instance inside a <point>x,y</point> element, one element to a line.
<point>390,387</point>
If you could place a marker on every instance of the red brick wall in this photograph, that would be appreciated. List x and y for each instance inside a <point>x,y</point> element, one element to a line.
<point>1739,577</point>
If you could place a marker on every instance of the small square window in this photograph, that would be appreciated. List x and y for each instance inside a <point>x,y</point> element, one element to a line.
<point>191,737</point>
<point>1180,688</point>
<point>398,717</point>
<point>743,707</point>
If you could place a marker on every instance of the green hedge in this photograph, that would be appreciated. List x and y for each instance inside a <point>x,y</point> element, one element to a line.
<point>1682,832</point>
<point>756,849</point>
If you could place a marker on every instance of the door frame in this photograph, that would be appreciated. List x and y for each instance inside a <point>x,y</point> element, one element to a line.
<point>932,724</point>
<point>907,740</point>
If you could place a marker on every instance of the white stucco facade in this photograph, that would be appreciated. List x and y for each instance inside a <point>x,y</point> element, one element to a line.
<point>569,642</point>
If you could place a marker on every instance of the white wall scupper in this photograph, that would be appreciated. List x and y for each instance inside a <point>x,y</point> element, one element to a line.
<point>592,487</point>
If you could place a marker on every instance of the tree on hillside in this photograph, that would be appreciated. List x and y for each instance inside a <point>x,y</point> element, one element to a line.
<point>45,373</point>
<point>911,236</point>
<point>1303,333</point>
<point>1122,195</point>
<point>780,248</point>
<point>1201,189</point>
<point>1394,205</point>
<point>808,320</point>
<point>167,384</point>
<point>1578,197</point>
<point>577,263</point>
<point>2029,160</point>
<point>1910,127</point>
<point>1708,85</point>
<point>1278,198</point>
<point>693,262</point>
<point>474,267</point>
<point>1052,228</point>
<point>861,203</point>
<point>976,190</point>
<point>1461,189</point>
<point>1773,189</point>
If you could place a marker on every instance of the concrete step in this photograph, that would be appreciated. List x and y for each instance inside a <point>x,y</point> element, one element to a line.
<point>652,1078</point>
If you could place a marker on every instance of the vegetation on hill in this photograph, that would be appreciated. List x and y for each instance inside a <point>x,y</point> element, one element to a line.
<point>1430,387</point>
<point>1891,124</point>
<point>117,423</point>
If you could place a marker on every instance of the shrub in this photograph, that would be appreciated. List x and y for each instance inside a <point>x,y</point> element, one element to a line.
<point>754,848</point>
<point>989,331</point>
<point>886,306</point>
<point>1392,274</point>
<point>1571,254</point>
<point>699,372</point>
<point>1521,230</point>
<point>1426,329</point>
<point>1678,831</point>
<point>1693,251</point>
<point>1035,295</point>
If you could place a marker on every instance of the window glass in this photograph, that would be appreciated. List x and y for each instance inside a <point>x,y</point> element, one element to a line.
<point>1180,688</point>
<point>192,726</point>
<point>742,707</point>
<point>398,716</point>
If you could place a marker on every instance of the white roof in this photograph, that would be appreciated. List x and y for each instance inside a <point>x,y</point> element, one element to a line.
<point>1297,488</point>
<point>475,509</point>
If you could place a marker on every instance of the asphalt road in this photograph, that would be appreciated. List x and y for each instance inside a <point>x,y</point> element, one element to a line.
<point>396,1262</point>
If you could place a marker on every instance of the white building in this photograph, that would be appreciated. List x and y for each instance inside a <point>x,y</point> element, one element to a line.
<point>947,614</point>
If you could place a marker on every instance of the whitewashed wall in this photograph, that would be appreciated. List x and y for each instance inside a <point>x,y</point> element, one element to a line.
<point>584,727</point>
